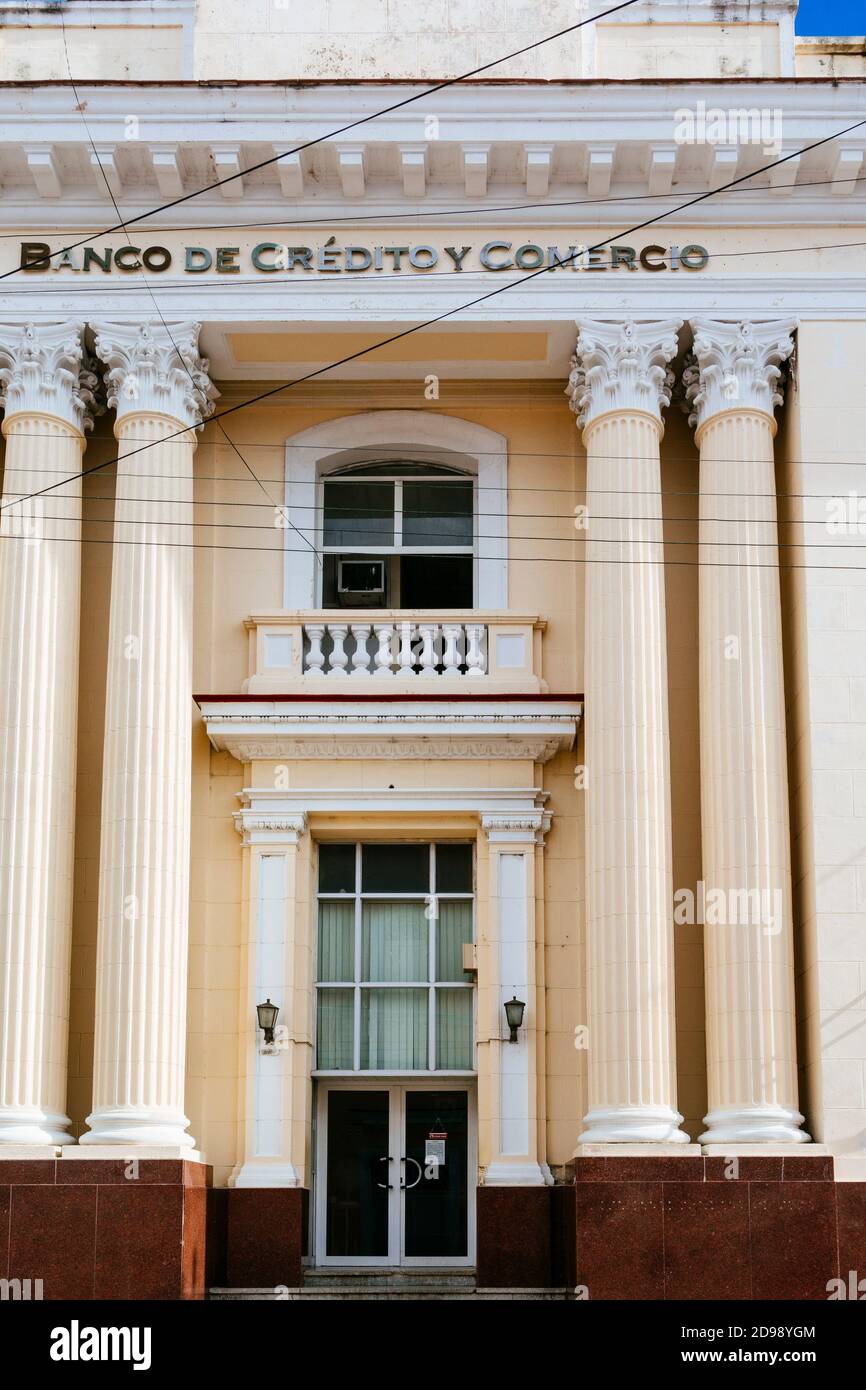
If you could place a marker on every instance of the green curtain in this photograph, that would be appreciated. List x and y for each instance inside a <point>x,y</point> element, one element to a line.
<point>336,941</point>
<point>394,942</point>
<point>453,1029</point>
<point>453,931</point>
<point>394,1029</point>
<point>335,1030</point>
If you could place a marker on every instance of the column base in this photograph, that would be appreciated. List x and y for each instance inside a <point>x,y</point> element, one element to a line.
<point>261,1174</point>
<point>518,1173</point>
<point>754,1124</point>
<point>30,1125</point>
<point>630,1124</point>
<point>139,1125</point>
<point>120,1153</point>
<point>648,1149</point>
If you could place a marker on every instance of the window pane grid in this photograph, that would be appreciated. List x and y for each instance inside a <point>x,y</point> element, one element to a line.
<point>371,1024</point>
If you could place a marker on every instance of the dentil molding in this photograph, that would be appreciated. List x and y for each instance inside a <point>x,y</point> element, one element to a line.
<point>155,367</point>
<point>619,366</point>
<point>44,370</point>
<point>735,366</point>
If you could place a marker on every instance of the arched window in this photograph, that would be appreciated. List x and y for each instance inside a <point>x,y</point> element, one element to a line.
<point>430,464</point>
<point>398,534</point>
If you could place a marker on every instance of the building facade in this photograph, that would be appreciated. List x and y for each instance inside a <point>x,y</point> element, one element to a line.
<point>432,580</point>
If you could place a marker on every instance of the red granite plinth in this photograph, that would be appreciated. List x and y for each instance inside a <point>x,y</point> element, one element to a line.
<point>513,1237</point>
<point>266,1236</point>
<point>105,1228</point>
<point>696,1227</point>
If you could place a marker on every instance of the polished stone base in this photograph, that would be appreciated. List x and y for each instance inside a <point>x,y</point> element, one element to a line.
<point>265,1235</point>
<point>105,1228</point>
<point>747,1226</point>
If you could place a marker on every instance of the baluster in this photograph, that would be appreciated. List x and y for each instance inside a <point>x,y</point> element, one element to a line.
<point>451,656</point>
<point>384,655</point>
<point>360,656</point>
<point>475,662</point>
<point>339,655</point>
<point>407,655</point>
<point>427,659</point>
<point>315,658</point>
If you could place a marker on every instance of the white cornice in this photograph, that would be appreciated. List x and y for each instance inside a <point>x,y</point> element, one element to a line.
<point>268,805</point>
<point>437,730</point>
<point>632,117</point>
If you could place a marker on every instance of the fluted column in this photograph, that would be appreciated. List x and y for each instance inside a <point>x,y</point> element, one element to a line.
<point>619,383</point>
<point>161,391</point>
<point>46,394</point>
<point>748,935</point>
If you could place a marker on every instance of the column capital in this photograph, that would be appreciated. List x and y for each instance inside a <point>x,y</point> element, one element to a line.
<point>735,366</point>
<point>620,366</point>
<point>156,368</point>
<point>44,369</point>
<point>522,827</point>
<point>272,828</point>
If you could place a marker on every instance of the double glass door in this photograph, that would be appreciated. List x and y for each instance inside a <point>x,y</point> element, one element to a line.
<point>393,1176</point>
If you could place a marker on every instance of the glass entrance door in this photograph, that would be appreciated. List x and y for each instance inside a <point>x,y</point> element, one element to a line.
<point>393,1175</point>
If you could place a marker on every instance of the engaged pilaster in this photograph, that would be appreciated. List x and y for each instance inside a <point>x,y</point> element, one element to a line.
<point>511,1075</point>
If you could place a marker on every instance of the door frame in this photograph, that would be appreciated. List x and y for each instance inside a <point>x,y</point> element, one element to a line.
<point>396,1088</point>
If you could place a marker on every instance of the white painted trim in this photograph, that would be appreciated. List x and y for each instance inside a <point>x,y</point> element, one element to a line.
<point>423,435</point>
<point>270,803</point>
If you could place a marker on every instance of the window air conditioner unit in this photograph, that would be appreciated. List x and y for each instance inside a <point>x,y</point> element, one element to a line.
<point>361,577</point>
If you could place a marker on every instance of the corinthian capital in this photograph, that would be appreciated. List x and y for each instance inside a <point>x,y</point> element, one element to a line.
<point>156,367</point>
<point>735,366</point>
<point>622,366</point>
<point>43,369</point>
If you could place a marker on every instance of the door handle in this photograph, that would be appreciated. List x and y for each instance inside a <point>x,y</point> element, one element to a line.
<point>386,1158</point>
<point>407,1186</point>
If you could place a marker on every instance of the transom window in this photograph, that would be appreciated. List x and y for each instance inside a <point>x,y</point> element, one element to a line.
<point>392,991</point>
<point>398,535</point>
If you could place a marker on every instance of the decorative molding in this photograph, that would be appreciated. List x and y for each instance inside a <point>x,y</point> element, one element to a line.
<point>517,829</point>
<point>538,750</point>
<point>257,827</point>
<point>735,366</point>
<point>44,370</point>
<point>620,366</point>
<point>277,731</point>
<point>156,368</point>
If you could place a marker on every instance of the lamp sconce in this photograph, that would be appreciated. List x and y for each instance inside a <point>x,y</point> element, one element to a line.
<point>267,1018</point>
<point>514,1010</point>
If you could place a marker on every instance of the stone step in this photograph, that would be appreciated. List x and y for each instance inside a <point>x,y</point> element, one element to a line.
<point>420,1293</point>
<point>457,1280</point>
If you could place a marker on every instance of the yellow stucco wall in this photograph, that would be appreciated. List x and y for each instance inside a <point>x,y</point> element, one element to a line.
<point>546,477</point>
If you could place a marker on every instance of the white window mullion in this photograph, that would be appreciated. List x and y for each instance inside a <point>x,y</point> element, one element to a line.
<point>356,1044</point>
<point>431,964</point>
<point>398,513</point>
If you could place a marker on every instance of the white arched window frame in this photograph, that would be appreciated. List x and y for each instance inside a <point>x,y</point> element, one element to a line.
<point>407,435</point>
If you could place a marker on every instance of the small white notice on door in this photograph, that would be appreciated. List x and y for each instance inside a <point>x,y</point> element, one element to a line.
<point>434,1152</point>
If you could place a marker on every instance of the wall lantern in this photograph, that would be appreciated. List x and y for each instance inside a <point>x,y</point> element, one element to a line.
<point>514,1009</point>
<point>267,1014</point>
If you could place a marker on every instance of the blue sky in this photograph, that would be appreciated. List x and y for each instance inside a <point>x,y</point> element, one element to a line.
<point>831,17</point>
